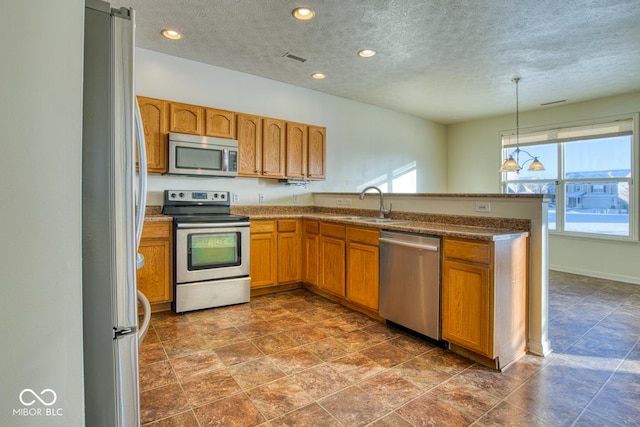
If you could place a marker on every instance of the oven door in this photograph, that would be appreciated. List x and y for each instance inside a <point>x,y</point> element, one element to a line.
<point>210,251</point>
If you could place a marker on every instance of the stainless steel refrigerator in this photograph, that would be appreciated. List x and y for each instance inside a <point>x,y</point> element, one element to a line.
<point>111,227</point>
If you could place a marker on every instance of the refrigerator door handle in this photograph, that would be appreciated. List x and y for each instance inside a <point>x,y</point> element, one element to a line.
<point>142,174</point>
<point>146,307</point>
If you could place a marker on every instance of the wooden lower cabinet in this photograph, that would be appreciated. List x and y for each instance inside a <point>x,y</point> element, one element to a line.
<point>484,286</point>
<point>311,252</point>
<point>363,255</point>
<point>289,252</point>
<point>264,252</point>
<point>155,278</point>
<point>332,258</point>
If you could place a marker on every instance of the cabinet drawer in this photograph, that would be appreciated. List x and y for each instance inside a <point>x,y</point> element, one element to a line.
<point>156,230</point>
<point>262,226</point>
<point>312,227</point>
<point>332,230</point>
<point>363,235</point>
<point>479,252</point>
<point>287,225</point>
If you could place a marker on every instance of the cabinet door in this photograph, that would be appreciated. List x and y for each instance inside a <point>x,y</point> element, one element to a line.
<point>332,267</point>
<point>184,118</point>
<point>249,134</point>
<point>296,150</point>
<point>153,115</point>
<point>155,278</point>
<point>362,274</point>
<point>264,253</point>
<point>467,306</point>
<point>273,148</point>
<point>220,123</point>
<point>311,253</point>
<point>316,152</point>
<point>289,268</point>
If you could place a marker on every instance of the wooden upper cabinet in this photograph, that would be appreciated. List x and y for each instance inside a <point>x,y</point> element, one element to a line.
<point>273,148</point>
<point>185,118</point>
<point>296,150</point>
<point>220,123</point>
<point>249,135</point>
<point>154,122</point>
<point>316,157</point>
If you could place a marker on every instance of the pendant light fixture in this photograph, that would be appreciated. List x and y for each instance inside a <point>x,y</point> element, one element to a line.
<point>511,164</point>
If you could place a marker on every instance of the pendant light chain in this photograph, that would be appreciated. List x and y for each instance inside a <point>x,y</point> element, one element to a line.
<point>516,80</point>
<point>511,164</point>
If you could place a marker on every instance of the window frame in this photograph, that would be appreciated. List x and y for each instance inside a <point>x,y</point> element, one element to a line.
<point>561,180</point>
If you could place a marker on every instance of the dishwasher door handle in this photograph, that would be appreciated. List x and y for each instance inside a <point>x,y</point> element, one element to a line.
<point>409,244</point>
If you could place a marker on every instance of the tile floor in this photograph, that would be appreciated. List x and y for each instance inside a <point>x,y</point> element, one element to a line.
<point>296,359</point>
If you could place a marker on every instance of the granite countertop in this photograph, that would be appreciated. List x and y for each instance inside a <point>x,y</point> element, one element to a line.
<point>467,227</point>
<point>154,214</point>
<point>477,228</point>
<point>438,229</point>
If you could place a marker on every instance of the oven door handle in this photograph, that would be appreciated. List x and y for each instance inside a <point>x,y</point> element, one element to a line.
<point>211,224</point>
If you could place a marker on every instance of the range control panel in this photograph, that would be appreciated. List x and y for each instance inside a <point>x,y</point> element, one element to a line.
<point>196,197</point>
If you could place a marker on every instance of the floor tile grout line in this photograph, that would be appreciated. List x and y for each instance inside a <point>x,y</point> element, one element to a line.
<point>606,382</point>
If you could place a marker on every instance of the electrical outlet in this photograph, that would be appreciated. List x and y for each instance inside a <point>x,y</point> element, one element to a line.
<point>295,198</point>
<point>236,197</point>
<point>346,202</point>
<point>261,197</point>
<point>340,201</point>
<point>483,207</point>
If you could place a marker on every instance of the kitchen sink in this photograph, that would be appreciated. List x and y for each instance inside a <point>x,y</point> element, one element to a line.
<point>370,219</point>
<point>382,220</point>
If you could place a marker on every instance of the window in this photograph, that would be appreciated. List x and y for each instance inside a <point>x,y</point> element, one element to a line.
<point>588,176</point>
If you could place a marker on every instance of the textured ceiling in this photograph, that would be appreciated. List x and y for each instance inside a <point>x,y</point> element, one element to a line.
<point>445,60</point>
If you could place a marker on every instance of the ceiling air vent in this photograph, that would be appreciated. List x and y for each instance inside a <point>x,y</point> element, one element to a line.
<point>294,57</point>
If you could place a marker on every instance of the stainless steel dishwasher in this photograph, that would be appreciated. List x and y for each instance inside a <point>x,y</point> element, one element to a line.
<point>410,281</point>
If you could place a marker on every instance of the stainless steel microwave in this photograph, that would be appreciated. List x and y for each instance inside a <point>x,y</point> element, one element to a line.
<point>202,155</point>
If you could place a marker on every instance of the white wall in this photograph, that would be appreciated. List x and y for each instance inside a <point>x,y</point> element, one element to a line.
<point>363,141</point>
<point>40,237</point>
<point>474,159</point>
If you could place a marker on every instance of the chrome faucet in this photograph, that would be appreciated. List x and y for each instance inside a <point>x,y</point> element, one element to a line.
<point>383,211</point>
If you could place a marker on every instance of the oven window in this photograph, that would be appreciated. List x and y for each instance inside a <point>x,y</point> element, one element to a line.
<point>212,250</point>
<point>198,158</point>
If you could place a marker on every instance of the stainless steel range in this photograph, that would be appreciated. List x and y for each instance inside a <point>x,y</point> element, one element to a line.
<point>211,250</point>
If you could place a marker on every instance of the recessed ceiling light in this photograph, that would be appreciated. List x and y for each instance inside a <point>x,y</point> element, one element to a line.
<point>303,13</point>
<point>171,34</point>
<point>318,76</point>
<point>366,53</point>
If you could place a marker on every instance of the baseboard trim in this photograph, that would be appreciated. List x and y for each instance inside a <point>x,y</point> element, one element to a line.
<point>597,274</point>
